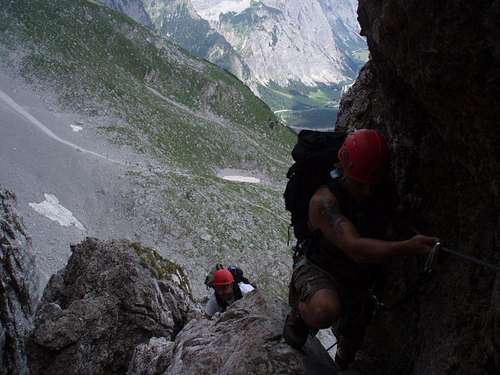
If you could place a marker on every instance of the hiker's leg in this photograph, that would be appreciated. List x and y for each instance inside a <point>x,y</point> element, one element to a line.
<point>349,345</point>
<point>353,329</point>
<point>322,309</point>
<point>314,302</point>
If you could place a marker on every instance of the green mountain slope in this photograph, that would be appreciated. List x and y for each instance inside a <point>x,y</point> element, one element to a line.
<point>188,117</point>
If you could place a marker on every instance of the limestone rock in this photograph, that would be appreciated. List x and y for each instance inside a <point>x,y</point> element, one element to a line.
<point>18,287</point>
<point>246,339</point>
<point>111,297</point>
<point>151,358</point>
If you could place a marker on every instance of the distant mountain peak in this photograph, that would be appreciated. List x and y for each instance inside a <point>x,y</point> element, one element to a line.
<point>281,41</point>
<point>212,9</point>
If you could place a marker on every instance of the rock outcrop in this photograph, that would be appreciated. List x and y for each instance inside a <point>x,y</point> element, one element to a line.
<point>118,307</point>
<point>246,339</point>
<point>18,287</point>
<point>432,86</point>
<point>111,297</point>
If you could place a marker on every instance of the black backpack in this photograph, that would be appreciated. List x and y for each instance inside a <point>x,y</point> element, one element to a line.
<point>315,155</point>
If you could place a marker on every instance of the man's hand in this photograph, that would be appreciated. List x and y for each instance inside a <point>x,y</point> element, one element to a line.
<point>421,245</point>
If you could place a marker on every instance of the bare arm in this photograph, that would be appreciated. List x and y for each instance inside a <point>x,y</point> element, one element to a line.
<point>324,214</point>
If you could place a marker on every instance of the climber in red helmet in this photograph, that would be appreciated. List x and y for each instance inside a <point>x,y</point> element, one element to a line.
<point>227,289</point>
<point>331,282</point>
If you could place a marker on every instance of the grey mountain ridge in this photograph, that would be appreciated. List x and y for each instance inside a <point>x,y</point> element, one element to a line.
<point>296,55</point>
<point>132,8</point>
<point>285,41</point>
<point>193,25</point>
<point>178,20</point>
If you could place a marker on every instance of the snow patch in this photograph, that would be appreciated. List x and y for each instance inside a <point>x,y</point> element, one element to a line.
<point>51,209</point>
<point>237,175</point>
<point>250,180</point>
<point>212,12</point>
<point>76,128</point>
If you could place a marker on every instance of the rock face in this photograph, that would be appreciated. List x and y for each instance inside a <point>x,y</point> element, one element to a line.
<point>343,19</point>
<point>278,39</point>
<point>111,297</point>
<point>179,21</point>
<point>432,87</point>
<point>246,339</point>
<point>120,308</point>
<point>18,287</point>
<point>132,8</point>
<point>285,42</point>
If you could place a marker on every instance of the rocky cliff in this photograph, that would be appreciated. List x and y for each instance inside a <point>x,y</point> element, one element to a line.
<point>179,21</point>
<point>118,307</point>
<point>286,41</point>
<point>432,87</point>
<point>111,297</point>
<point>18,287</point>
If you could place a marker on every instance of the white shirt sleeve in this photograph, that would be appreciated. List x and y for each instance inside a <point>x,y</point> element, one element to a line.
<point>245,288</point>
<point>212,307</point>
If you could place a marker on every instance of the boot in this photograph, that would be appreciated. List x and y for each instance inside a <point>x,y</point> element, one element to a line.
<point>340,362</point>
<point>296,330</point>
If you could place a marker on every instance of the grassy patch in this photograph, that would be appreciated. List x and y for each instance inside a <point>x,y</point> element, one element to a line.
<point>162,269</point>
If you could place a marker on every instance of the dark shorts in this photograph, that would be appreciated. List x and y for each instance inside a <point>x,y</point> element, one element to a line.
<point>308,278</point>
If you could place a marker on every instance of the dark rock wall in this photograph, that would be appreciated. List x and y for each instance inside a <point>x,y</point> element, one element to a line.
<point>18,287</point>
<point>432,86</point>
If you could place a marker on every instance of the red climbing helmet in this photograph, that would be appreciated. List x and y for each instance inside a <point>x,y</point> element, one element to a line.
<point>223,277</point>
<point>363,156</point>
